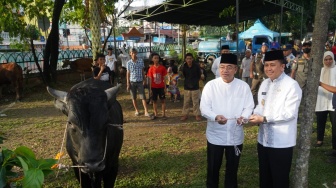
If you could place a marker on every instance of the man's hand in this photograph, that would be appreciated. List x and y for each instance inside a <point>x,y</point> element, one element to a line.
<point>221,119</point>
<point>102,68</point>
<point>242,120</point>
<point>256,119</point>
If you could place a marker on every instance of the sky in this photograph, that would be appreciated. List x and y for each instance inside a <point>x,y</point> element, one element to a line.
<point>138,3</point>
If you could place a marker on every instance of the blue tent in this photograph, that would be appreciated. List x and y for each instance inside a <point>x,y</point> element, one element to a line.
<point>258,29</point>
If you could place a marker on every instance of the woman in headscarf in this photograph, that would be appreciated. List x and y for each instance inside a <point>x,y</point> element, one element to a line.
<point>324,100</point>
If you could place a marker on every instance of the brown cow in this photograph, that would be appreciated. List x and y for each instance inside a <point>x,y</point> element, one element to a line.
<point>11,73</point>
<point>81,65</point>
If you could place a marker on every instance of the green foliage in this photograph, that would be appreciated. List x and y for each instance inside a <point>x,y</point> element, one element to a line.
<point>172,51</point>
<point>34,170</point>
<point>13,15</point>
<point>20,45</point>
<point>228,12</point>
<point>214,32</point>
<point>75,11</point>
<point>32,32</point>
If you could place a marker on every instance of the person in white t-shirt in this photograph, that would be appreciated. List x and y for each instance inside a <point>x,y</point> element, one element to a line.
<point>111,61</point>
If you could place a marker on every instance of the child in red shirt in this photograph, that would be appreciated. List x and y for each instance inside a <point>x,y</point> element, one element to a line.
<point>157,74</point>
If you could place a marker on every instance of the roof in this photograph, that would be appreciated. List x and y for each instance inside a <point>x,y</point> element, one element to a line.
<point>133,33</point>
<point>206,12</point>
<point>258,29</point>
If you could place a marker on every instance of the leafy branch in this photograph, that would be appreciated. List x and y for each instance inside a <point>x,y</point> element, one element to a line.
<point>20,167</point>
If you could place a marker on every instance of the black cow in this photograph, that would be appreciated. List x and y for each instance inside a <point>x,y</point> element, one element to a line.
<point>94,134</point>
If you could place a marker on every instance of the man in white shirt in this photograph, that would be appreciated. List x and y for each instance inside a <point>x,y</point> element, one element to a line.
<point>111,63</point>
<point>215,66</point>
<point>279,98</point>
<point>226,102</point>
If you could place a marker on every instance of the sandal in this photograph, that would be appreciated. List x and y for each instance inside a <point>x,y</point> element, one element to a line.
<point>136,114</point>
<point>164,117</point>
<point>151,116</point>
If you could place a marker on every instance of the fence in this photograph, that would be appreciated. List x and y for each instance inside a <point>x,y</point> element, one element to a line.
<point>26,59</point>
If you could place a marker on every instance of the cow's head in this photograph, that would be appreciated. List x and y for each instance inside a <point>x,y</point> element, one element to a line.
<point>87,110</point>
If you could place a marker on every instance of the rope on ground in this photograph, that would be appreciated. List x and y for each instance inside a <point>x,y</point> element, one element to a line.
<point>171,124</point>
<point>163,124</point>
<point>7,108</point>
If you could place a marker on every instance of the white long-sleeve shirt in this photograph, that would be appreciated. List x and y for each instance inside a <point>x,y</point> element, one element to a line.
<point>279,101</point>
<point>324,97</point>
<point>232,100</point>
<point>215,67</point>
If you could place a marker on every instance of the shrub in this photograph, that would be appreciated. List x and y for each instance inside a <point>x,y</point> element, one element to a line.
<point>20,167</point>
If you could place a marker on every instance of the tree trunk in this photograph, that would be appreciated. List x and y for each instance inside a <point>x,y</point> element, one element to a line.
<point>300,178</point>
<point>36,60</point>
<point>114,35</point>
<point>95,22</point>
<point>184,42</point>
<point>51,50</point>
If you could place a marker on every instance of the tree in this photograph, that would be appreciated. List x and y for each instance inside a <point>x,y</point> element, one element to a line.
<point>17,15</point>
<point>323,10</point>
<point>95,22</point>
<point>51,50</point>
<point>93,18</point>
<point>90,16</point>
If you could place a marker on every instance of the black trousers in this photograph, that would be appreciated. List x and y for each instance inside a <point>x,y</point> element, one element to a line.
<point>214,159</point>
<point>321,119</point>
<point>112,75</point>
<point>274,166</point>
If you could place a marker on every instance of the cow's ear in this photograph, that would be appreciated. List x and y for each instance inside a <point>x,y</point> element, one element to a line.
<point>61,106</point>
<point>112,92</point>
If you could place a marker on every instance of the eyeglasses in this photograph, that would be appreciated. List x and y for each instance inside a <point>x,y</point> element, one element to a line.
<point>229,67</point>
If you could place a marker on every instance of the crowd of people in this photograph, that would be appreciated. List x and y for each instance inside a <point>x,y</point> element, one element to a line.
<point>267,92</point>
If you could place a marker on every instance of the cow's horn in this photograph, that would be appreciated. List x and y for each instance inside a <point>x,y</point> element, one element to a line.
<point>60,95</point>
<point>112,92</point>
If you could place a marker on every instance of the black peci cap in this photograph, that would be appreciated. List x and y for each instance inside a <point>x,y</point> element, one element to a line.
<point>225,47</point>
<point>229,59</point>
<point>275,55</point>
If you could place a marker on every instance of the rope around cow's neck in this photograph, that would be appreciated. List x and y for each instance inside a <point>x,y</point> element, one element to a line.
<point>61,150</point>
<point>60,166</point>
